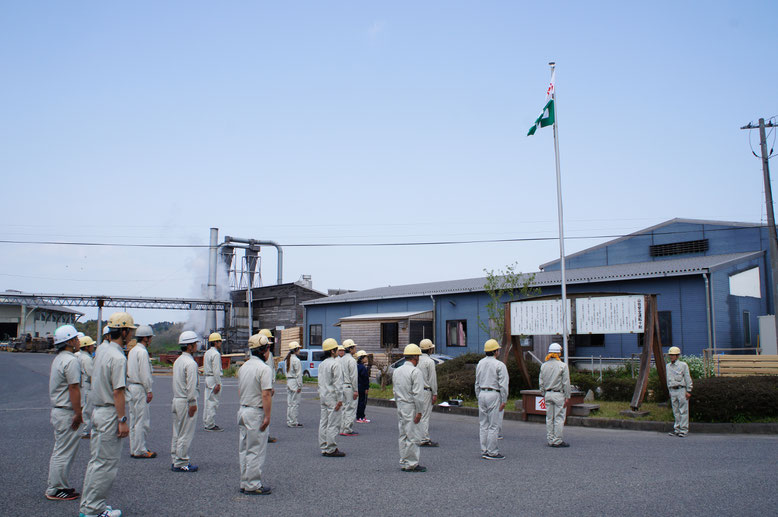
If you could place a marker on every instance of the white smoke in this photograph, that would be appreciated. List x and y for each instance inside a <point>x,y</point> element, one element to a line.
<point>198,269</point>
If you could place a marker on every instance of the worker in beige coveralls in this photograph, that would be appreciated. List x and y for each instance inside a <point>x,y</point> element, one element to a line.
<point>408,388</point>
<point>679,383</point>
<point>554,385</point>
<point>65,395</point>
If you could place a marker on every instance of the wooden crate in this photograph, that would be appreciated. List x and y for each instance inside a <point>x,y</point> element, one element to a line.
<point>740,365</point>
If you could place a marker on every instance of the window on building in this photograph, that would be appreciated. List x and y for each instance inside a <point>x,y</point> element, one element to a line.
<point>745,283</point>
<point>314,335</point>
<point>679,248</point>
<point>390,335</point>
<point>420,330</point>
<point>587,340</point>
<point>746,328</point>
<point>456,333</point>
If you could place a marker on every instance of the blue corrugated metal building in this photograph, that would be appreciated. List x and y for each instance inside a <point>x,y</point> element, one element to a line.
<point>711,278</point>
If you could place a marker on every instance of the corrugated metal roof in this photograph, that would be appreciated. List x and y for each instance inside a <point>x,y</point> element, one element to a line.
<point>637,270</point>
<point>384,316</point>
<point>651,229</point>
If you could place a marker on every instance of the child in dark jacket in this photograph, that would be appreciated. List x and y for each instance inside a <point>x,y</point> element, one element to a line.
<point>363,384</point>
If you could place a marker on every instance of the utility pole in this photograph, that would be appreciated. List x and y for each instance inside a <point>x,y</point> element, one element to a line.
<point>768,195</point>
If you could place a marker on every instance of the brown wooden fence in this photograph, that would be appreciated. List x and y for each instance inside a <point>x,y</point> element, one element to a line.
<point>739,365</point>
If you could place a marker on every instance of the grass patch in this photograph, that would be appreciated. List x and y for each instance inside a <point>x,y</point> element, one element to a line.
<point>232,371</point>
<point>612,409</point>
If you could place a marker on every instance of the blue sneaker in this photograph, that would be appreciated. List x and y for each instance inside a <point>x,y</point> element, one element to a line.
<point>186,468</point>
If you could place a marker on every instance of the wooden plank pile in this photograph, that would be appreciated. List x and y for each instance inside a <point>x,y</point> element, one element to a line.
<point>740,365</point>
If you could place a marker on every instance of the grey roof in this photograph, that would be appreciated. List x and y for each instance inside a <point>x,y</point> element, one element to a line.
<point>631,271</point>
<point>50,308</point>
<point>384,316</point>
<point>651,229</point>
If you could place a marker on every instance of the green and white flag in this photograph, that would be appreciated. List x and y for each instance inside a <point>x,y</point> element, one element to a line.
<point>546,117</point>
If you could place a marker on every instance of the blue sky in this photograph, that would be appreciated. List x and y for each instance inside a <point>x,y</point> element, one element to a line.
<point>300,122</point>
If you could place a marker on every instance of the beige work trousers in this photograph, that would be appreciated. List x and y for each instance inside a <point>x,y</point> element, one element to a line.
<point>680,410</point>
<point>252,447</point>
<point>489,420</point>
<point>292,407</point>
<point>183,432</point>
<point>104,463</point>
<point>349,410</point>
<point>210,403</point>
<point>86,407</point>
<point>139,419</point>
<point>426,396</point>
<point>555,417</point>
<point>329,427</point>
<point>410,435</point>
<point>66,442</point>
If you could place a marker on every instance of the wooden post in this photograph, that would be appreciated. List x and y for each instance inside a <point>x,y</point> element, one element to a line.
<point>658,354</point>
<point>645,356</point>
<point>509,343</point>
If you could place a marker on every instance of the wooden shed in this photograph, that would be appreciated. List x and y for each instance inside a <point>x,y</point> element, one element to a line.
<point>373,333</point>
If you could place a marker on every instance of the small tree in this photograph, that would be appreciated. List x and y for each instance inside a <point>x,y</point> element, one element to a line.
<point>502,284</point>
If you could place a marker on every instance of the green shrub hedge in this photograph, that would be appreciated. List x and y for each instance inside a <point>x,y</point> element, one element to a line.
<point>457,377</point>
<point>617,388</point>
<point>734,399</point>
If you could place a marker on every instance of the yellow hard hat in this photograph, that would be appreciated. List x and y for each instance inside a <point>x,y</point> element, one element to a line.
<point>121,320</point>
<point>329,344</point>
<point>214,337</point>
<point>348,343</point>
<point>412,349</point>
<point>360,354</point>
<point>340,347</point>
<point>491,345</point>
<point>258,341</point>
<point>266,333</point>
<point>86,341</point>
<point>293,345</point>
<point>426,344</point>
<point>131,344</point>
<point>674,350</point>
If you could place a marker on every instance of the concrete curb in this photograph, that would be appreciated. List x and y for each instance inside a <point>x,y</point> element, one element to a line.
<point>608,423</point>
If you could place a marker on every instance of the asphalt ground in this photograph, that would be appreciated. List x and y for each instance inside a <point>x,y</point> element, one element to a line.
<point>604,473</point>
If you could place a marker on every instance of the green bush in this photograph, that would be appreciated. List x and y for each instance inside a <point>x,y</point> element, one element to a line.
<point>583,380</point>
<point>734,399</point>
<point>697,366</point>
<point>456,378</point>
<point>618,389</point>
<point>658,390</point>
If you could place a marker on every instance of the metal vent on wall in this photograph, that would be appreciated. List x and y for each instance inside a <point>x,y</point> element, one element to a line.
<point>679,248</point>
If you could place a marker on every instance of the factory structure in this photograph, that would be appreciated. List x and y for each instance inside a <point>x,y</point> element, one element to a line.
<point>712,281</point>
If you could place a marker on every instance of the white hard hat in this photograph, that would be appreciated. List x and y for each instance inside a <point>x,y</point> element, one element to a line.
<point>144,331</point>
<point>188,337</point>
<point>555,348</point>
<point>64,333</point>
<point>106,330</point>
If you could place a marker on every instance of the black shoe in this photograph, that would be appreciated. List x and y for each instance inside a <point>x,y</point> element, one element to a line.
<point>334,454</point>
<point>417,468</point>
<point>64,494</point>
<point>497,456</point>
<point>263,490</point>
<point>429,444</point>
<point>270,439</point>
<point>215,429</point>
<point>560,445</point>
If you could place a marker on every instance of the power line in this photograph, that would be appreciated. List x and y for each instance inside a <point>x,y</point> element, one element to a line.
<point>368,244</point>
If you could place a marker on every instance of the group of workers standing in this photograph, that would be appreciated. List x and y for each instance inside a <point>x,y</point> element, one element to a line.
<point>93,390</point>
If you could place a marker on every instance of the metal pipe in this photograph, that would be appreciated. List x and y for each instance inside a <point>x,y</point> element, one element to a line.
<point>280,277</point>
<point>210,321</point>
<point>707,306</point>
<point>434,318</point>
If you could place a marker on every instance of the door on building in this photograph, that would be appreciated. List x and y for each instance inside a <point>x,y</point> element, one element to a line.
<point>8,330</point>
<point>420,330</point>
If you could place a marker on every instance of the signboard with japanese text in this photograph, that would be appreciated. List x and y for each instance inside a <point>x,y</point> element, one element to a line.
<point>610,315</point>
<point>539,318</point>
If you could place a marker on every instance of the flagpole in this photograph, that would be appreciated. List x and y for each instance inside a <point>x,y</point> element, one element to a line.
<point>561,220</point>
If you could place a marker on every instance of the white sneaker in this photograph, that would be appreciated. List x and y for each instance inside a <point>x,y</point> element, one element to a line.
<point>110,512</point>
